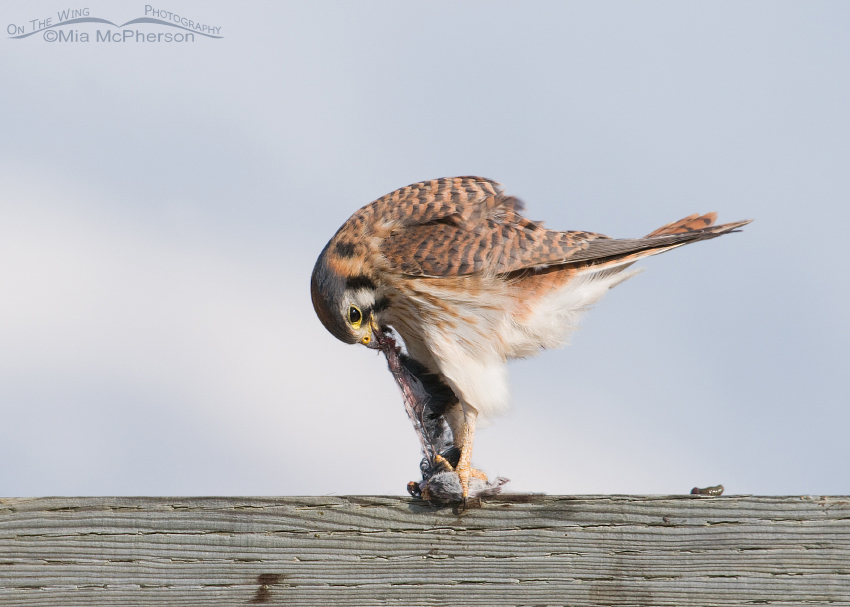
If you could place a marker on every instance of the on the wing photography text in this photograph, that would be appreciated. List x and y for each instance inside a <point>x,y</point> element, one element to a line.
<point>66,27</point>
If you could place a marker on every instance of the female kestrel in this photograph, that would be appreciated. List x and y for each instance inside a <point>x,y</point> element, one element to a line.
<point>468,283</point>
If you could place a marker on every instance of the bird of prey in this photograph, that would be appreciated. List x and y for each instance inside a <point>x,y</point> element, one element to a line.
<point>469,283</point>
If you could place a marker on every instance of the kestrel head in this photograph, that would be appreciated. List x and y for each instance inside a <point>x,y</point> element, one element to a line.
<point>348,305</point>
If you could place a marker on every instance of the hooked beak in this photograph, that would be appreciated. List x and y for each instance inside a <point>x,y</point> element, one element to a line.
<point>369,340</point>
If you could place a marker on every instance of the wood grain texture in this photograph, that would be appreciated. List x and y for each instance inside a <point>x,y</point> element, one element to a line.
<point>540,550</point>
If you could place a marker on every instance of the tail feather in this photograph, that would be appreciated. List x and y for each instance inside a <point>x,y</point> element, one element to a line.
<point>613,253</point>
<point>691,223</point>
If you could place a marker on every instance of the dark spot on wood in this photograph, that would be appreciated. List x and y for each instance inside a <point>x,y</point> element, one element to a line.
<point>359,281</point>
<point>715,491</point>
<point>265,580</point>
<point>345,249</point>
<point>518,498</point>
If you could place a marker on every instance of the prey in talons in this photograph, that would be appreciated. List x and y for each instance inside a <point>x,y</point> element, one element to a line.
<point>426,399</point>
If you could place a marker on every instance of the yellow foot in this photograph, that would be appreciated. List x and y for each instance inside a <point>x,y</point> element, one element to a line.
<point>447,467</point>
<point>465,473</point>
<point>443,463</point>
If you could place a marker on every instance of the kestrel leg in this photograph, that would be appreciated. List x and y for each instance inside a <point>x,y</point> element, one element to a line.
<point>447,466</point>
<point>464,467</point>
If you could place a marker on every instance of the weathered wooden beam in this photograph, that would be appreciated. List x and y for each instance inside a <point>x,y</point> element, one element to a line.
<point>539,550</point>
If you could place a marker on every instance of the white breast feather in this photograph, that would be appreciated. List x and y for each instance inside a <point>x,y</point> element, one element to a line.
<point>558,314</point>
<point>472,357</point>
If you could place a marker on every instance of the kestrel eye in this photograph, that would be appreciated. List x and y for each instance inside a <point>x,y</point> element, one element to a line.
<point>354,316</point>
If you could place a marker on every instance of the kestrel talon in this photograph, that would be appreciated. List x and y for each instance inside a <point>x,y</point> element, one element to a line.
<point>469,283</point>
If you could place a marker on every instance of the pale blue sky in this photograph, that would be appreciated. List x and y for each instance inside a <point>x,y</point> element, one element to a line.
<point>162,205</point>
